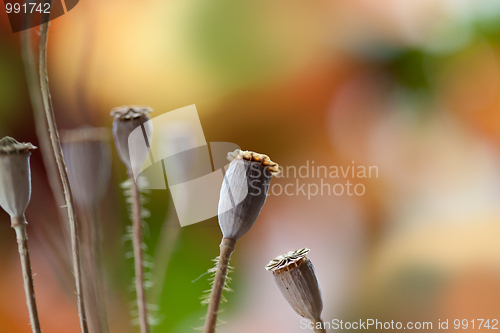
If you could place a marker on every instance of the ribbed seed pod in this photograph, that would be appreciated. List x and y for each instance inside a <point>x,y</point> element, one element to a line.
<point>294,275</point>
<point>15,176</point>
<point>125,120</point>
<point>244,191</point>
<point>15,193</point>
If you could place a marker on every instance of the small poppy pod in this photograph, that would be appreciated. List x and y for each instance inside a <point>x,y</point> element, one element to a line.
<point>15,176</point>
<point>244,191</point>
<point>125,120</point>
<point>88,159</point>
<point>294,275</point>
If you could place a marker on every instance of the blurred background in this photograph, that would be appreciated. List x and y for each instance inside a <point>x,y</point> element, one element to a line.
<point>411,87</point>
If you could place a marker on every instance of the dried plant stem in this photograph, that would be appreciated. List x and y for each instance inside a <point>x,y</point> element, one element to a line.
<point>226,249</point>
<point>41,130</point>
<point>19,225</point>
<point>138,254</point>
<point>56,147</point>
<point>93,281</point>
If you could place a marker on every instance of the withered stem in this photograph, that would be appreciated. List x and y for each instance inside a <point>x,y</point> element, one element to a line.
<point>226,249</point>
<point>138,254</point>
<point>19,225</point>
<point>41,128</point>
<point>56,147</point>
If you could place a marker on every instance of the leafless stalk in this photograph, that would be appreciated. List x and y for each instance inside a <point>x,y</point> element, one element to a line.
<point>226,249</point>
<point>19,226</point>
<point>138,255</point>
<point>56,147</point>
<point>15,194</point>
<point>41,126</point>
<point>125,120</point>
<point>239,207</point>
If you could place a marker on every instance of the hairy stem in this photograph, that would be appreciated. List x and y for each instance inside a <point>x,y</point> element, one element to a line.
<point>226,249</point>
<point>138,254</point>
<point>56,147</point>
<point>19,225</point>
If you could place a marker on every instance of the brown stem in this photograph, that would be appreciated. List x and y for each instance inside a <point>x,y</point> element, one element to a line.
<point>138,255</point>
<point>93,285</point>
<point>19,225</point>
<point>63,173</point>
<point>226,249</point>
<point>41,130</point>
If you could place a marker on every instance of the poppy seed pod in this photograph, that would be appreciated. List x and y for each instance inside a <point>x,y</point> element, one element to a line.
<point>125,120</point>
<point>15,176</point>
<point>87,156</point>
<point>294,274</point>
<point>244,191</point>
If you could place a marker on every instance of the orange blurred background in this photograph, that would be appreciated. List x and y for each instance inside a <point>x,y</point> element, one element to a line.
<point>412,88</point>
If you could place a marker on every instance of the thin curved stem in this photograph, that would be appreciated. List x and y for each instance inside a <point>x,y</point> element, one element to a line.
<point>226,249</point>
<point>19,225</point>
<point>56,147</point>
<point>138,255</point>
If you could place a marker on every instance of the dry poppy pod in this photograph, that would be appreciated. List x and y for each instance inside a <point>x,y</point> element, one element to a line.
<point>244,191</point>
<point>294,274</point>
<point>125,120</point>
<point>15,176</point>
<point>87,156</point>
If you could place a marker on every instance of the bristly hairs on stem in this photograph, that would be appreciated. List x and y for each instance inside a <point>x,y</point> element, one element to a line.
<point>126,120</point>
<point>154,319</point>
<point>239,208</point>
<point>56,147</point>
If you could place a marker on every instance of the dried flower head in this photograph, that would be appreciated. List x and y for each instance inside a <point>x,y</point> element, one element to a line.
<point>15,176</point>
<point>125,120</point>
<point>87,156</point>
<point>244,191</point>
<point>294,274</point>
